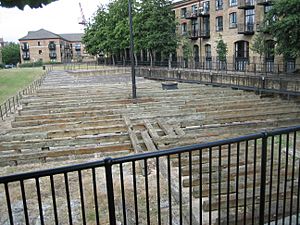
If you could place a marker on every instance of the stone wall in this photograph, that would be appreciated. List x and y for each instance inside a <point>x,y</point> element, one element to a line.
<point>233,79</point>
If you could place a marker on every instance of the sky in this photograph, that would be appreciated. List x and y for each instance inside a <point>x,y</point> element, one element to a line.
<point>58,17</point>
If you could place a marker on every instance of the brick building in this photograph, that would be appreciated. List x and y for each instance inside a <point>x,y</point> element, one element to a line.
<point>202,22</point>
<point>43,45</point>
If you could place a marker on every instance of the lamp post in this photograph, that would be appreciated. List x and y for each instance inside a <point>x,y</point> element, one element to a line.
<point>131,52</point>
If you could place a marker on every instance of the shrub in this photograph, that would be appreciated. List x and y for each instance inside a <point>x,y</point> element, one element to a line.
<point>34,64</point>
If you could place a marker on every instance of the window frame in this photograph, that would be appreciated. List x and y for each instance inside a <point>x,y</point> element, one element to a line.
<point>219,28</point>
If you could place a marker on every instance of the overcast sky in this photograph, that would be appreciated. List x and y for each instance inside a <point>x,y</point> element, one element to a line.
<point>58,17</point>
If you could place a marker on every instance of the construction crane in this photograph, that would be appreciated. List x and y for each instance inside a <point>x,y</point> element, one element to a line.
<point>83,20</point>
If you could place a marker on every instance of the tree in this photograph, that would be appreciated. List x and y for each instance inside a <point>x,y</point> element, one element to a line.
<point>283,23</point>
<point>155,28</point>
<point>258,45</point>
<point>222,49</point>
<point>22,3</point>
<point>187,50</point>
<point>11,53</point>
<point>96,34</point>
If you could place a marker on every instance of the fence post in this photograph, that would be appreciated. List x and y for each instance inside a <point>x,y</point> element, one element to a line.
<point>263,178</point>
<point>1,112</point>
<point>110,191</point>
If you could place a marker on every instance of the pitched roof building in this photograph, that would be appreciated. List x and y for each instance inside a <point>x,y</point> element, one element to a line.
<point>46,46</point>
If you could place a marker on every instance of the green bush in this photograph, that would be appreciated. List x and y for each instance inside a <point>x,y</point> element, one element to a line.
<point>1,66</point>
<point>34,64</point>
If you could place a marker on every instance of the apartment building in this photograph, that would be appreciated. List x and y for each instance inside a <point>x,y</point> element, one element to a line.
<point>43,45</point>
<point>236,21</point>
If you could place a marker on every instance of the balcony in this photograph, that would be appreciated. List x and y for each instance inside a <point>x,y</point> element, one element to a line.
<point>25,48</point>
<point>52,46</point>
<point>204,12</point>
<point>194,34</point>
<point>26,56</point>
<point>192,14</point>
<point>246,29</point>
<point>264,2</point>
<point>52,55</point>
<point>246,4</point>
<point>204,34</point>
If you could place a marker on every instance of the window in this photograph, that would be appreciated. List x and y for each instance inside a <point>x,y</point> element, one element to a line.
<point>183,28</point>
<point>219,4</point>
<point>267,8</point>
<point>241,55</point>
<point>205,7</point>
<point>39,43</point>
<point>233,20</point>
<point>40,52</point>
<point>232,2</point>
<point>194,8</point>
<point>249,19</point>
<point>219,23</point>
<point>195,26</point>
<point>183,13</point>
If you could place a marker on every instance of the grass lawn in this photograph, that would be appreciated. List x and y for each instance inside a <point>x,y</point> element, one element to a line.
<point>16,79</point>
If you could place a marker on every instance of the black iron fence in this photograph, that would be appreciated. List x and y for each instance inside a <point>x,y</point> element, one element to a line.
<point>11,104</point>
<point>252,65</point>
<point>253,179</point>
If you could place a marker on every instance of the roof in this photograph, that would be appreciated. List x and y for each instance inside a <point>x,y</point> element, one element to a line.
<point>72,37</point>
<point>40,34</point>
<point>45,34</point>
<point>177,4</point>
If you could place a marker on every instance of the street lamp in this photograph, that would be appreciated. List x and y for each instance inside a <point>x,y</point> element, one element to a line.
<point>131,52</point>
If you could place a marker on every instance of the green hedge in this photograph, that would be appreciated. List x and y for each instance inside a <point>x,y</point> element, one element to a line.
<point>34,64</point>
<point>1,66</point>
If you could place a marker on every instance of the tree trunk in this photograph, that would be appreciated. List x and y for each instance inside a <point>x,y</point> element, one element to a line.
<point>170,61</point>
<point>135,59</point>
<point>151,58</point>
<point>113,59</point>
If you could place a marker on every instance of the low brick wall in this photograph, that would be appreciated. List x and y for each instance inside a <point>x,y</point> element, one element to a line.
<point>259,81</point>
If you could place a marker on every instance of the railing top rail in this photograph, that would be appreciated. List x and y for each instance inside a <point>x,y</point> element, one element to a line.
<point>147,155</point>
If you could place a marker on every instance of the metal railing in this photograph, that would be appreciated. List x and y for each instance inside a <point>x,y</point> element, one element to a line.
<point>11,104</point>
<point>253,179</point>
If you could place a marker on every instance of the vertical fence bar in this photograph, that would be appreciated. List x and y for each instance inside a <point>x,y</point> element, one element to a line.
<point>158,191</point>
<point>237,182</point>
<point>278,180</point>
<point>68,198</point>
<point>24,202</point>
<point>135,194</point>
<point>123,194</point>
<point>180,189</point>
<point>53,199</point>
<point>169,189</point>
<point>147,191</point>
<point>110,191</point>
<point>81,197</point>
<point>254,181</point>
<point>228,184</point>
<point>219,184</point>
<point>293,177</point>
<point>263,179</point>
<point>210,184</point>
<point>11,219</point>
<point>95,195</point>
<point>190,189</point>
<point>271,179</point>
<point>246,181</point>
<point>38,191</point>
<point>286,174</point>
